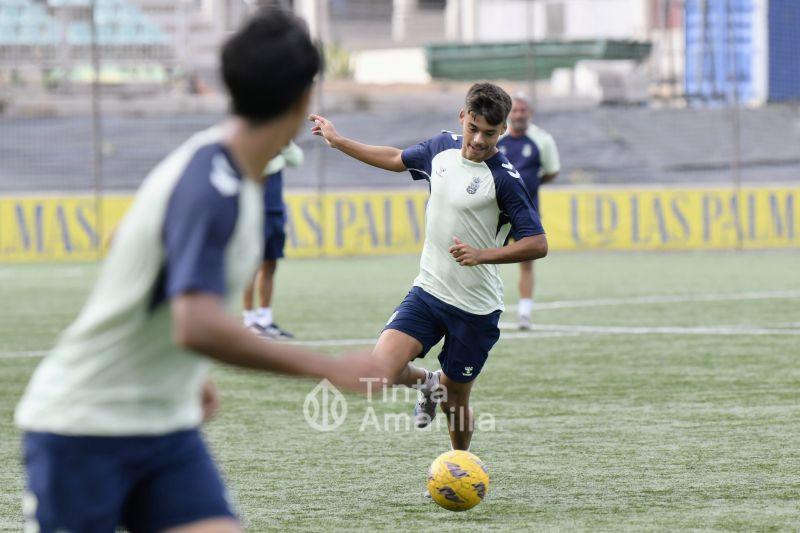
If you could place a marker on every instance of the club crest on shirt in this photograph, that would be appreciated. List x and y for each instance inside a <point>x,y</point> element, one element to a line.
<point>527,150</point>
<point>440,172</point>
<point>472,188</point>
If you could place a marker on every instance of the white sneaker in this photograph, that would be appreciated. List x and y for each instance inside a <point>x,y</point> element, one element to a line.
<point>275,332</point>
<point>269,332</point>
<point>254,329</point>
<point>524,322</point>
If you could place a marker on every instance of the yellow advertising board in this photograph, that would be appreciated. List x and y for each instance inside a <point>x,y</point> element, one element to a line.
<point>392,222</point>
<point>63,228</point>
<point>369,223</point>
<point>672,219</point>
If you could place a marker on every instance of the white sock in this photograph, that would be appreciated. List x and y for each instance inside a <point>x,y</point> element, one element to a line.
<point>525,306</point>
<point>264,316</point>
<point>249,317</point>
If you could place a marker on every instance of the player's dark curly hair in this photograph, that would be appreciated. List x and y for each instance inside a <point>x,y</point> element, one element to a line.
<point>489,101</point>
<point>268,63</point>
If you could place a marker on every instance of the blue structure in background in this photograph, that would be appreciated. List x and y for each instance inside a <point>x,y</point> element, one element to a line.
<point>719,50</point>
<point>721,54</point>
<point>784,50</point>
<point>119,23</point>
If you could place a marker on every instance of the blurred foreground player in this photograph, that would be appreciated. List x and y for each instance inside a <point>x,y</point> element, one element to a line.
<point>111,415</point>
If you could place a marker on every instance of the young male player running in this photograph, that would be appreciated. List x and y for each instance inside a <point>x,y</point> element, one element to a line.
<point>111,415</point>
<point>533,153</point>
<point>458,294</point>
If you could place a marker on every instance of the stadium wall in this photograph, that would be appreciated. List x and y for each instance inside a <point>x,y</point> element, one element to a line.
<point>68,228</point>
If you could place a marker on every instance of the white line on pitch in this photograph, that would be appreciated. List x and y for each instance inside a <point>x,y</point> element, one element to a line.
<point>643,300</point>
<point>367,342</point>
<point>542,330</point>
<point>338,342</point>
<point>671,330</point>
<point>23,353</point>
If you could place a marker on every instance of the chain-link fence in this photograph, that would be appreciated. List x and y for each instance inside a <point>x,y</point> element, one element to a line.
<point>93,93</point>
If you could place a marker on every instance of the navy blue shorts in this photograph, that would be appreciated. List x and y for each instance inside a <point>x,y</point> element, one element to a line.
<point>274,235</point>
<point>94,484</point>
<point>467,337</point>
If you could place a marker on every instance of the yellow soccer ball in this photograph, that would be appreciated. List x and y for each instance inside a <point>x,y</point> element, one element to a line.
<point>457,480</point>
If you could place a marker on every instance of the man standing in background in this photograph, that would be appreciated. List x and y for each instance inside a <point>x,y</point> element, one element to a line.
<point>260,320</point>
<point>534,154</point>
<point>458,295</point>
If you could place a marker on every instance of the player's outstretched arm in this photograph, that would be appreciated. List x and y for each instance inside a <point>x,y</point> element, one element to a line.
<point>525,249</point>
<point>385,157</point>
<point>200,324</point>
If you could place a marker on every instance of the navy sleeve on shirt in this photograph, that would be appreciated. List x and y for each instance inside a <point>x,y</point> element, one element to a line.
<point>200,219</point>
<point>514,201</point>
<point>418,158</point>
